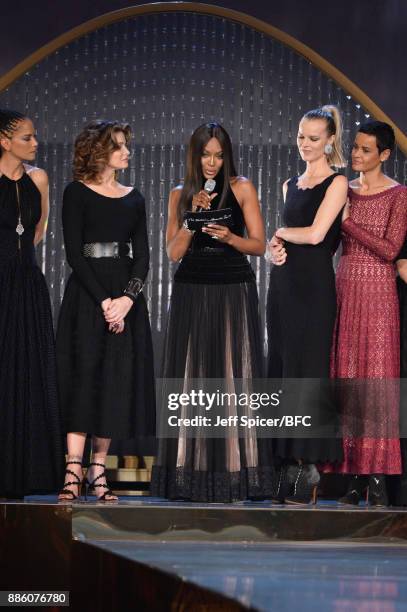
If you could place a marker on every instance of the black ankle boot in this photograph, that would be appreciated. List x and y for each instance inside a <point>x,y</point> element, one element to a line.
<point>377,490</point>
<point>356,489</point>
<point>305,479</point>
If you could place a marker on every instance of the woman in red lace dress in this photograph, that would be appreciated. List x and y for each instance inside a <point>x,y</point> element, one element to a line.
<point>366,349</point>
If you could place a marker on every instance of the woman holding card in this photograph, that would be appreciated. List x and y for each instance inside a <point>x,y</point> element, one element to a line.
<point>213,326</point>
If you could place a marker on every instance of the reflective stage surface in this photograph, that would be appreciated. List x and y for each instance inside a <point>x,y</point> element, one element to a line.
<point>285,577</point>
<point>180,556</point>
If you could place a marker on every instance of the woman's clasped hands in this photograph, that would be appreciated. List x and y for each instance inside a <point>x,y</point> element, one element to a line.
<point>275,251</point>
<point>115,311</point>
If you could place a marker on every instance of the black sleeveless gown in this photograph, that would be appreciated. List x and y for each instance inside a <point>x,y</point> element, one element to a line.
<point>213,331</point>
<point>301,312</point>
<point>31,442</point>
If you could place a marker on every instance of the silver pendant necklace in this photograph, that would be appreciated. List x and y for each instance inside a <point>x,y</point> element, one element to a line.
<point>20,226</point>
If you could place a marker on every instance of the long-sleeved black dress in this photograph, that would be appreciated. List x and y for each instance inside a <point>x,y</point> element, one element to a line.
<point>106,380</point>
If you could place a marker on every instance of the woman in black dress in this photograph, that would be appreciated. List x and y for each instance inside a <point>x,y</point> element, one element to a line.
<point>104,348</point>
<point>31,443</point>
<point>302,301</point>
<point>213,328</point>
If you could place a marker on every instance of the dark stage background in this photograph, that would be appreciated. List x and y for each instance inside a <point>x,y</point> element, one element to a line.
<point>165,74</point>
<point>365,39</point>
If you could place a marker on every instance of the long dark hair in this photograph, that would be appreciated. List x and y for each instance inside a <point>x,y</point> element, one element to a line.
<point>194,177</point>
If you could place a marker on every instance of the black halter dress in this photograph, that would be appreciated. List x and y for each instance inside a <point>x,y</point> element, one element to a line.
<point>213,331</point>
<point>31,442</point>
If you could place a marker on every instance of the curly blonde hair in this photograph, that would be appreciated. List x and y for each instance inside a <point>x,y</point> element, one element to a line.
<point>93,147</point>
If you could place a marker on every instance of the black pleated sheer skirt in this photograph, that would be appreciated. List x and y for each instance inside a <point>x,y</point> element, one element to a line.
<point>31,438</point>
<point>106,380</point>
<point>213,331</point>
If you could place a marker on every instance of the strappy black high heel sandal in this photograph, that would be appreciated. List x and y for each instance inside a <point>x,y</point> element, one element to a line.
<point>93,485</point>
<point>283,488</point>
<point>78,483</point>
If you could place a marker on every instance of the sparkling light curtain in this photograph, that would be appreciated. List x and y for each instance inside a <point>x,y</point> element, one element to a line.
<point>166,74</point>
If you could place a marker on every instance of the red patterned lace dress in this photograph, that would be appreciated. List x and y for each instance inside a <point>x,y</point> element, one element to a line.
<point>366,347</point>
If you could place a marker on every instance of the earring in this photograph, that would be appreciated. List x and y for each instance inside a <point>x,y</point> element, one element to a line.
<point>328,149</point>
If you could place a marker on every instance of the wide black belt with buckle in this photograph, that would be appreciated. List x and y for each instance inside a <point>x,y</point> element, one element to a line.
<point>107,249</point>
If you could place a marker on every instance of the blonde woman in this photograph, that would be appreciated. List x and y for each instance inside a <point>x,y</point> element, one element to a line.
<point>302,300</point>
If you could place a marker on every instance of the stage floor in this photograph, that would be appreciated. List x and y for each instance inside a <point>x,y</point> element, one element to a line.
<point>281,578</point>
<point>257,556</point>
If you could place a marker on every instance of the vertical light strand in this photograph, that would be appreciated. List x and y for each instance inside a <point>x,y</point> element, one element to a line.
<point>164,73</point>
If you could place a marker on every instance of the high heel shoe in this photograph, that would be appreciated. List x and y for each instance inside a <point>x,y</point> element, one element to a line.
<point>305,480</point>
<point>283,487</point>
<point>377,493</point>
<point>93,485</point>
<point>78,483</point>
<point>357,487</point>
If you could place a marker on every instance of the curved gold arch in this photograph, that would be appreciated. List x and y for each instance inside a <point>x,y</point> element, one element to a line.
<point>208,9</point>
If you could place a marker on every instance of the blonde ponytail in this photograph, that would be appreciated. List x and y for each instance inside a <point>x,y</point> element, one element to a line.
<point>336,158</point>
<point>333,119</point>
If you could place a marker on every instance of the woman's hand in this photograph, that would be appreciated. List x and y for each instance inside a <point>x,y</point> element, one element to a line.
<point>106,304</point>
<point>276,252</point>
<point>118,309</point>
<point>218,232</point>
<point>202,200</point>
<point>116,328</point>
<point>346,210</point>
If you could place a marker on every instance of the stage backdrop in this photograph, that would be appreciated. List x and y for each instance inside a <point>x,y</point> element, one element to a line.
<point>166,74</point>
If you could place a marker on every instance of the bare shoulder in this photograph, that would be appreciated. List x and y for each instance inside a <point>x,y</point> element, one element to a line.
<point>339,182</point>
<point>241,184</point>
<point>175,193</point>
<point>340,179</point>
<point>174,197</point>
<point>38,175</point>
<point>240,180</point>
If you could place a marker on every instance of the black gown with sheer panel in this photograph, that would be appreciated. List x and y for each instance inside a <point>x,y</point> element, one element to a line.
<point>31,439</point>
<point>106,380</point>
<point>213,331</point>
<point>301,310</point>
